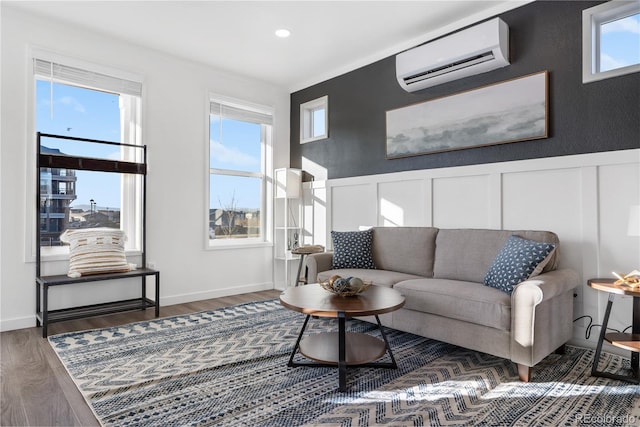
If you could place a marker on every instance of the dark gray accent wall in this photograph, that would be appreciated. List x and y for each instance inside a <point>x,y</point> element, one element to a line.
<point>544,35</point>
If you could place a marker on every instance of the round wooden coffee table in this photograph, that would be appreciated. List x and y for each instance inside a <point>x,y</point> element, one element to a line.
<point>342,348</point>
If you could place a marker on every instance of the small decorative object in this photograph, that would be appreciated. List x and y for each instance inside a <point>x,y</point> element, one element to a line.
<point>345,286</point>
<point>632,279</point>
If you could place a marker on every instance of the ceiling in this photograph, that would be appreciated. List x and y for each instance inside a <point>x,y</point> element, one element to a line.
<point>328,38</point>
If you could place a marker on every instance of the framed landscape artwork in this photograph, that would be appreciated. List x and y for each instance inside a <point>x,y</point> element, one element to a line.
<point>510,111</point>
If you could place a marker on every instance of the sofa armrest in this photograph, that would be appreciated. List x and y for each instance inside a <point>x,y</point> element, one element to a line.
<point>317,263</point>
<point>529,294</point>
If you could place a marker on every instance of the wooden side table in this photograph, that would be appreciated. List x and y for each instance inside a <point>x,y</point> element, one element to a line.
<point>626,341</point>
<point>302,251</point>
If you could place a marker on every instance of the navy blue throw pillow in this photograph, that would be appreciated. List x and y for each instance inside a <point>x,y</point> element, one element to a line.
<point>352,249</point>
<point>516,262</point>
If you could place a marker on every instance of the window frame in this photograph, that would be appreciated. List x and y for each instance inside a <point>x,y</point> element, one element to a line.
<point>592,19</point>
<point>266,154</point>
<point>307,111</point>
<point>131,187</point>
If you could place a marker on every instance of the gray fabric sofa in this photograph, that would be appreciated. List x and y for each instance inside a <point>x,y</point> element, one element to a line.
<point>441,271</point>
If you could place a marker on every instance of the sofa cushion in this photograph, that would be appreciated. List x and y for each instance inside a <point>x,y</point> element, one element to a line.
<point>408,250</point>
<point>377,277</point>
<point>465,301</point>
<point>518,260</point>
<point>352,249</point>
<point>467,254</point>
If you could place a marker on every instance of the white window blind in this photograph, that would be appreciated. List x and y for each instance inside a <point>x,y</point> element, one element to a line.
<point>67,74</point>
<point>241,114</point>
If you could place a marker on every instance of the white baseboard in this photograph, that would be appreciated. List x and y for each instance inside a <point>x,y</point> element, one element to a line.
<point>18,323</point>
<point>217,293</point>
<point>30,321</point>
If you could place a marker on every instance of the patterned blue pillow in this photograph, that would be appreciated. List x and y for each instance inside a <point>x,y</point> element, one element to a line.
<point>516,262</point>
<point>352,249</point>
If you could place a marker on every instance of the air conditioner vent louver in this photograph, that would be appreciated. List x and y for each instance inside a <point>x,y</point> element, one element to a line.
<point>474,50</point>
<point>449,68</point>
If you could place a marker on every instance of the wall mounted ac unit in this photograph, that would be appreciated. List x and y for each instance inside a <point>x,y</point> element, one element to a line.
<point>478,49</point>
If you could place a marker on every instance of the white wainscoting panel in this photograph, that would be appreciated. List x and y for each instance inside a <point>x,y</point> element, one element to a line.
<point>546,200</point>
<point>462,202</point>
<point>401,203</point>
<point>314,196</point>
<point>618,188</point>
<point>353,206</point>
<point>585,199</point>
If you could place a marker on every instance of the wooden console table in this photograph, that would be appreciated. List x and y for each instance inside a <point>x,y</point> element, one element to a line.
<point>626,341</point>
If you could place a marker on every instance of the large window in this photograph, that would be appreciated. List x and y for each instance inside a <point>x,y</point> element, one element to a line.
<point>239,140</point>
<point>79,102</point>
<point>611,40</point>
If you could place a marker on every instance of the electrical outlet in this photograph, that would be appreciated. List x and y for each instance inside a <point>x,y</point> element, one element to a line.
<point>578,296</point>
<point>578,308</point>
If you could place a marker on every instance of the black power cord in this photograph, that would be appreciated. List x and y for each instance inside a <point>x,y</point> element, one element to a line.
<point>591,325</point>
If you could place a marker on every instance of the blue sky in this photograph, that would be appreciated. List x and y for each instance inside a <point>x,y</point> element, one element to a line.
<point>92,114</point>
<point>86,114</point>
<point>235,145</point>
<point>620,43</point>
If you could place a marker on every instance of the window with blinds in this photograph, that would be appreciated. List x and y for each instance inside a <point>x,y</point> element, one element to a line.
<point>61,73</point>
<point>239,140</point>
<point>83,101</point>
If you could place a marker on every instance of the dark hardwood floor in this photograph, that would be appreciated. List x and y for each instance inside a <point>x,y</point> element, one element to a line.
<point>36,389</point>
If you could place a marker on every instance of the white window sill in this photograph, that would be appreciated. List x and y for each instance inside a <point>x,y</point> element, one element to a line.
<point>315,138</point>
<point>226,244</point>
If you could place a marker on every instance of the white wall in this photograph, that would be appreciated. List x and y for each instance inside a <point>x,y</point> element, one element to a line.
<point>175,129</point>
<point>585,199</point>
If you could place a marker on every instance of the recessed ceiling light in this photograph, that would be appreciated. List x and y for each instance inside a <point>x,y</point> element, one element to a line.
<point>283,33</point>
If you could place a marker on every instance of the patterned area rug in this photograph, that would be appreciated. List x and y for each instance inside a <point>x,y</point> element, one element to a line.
<point>228,367</point>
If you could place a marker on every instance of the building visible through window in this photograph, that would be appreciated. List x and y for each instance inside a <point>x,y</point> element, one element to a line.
<point>78,103</point>
<point>239,138</point>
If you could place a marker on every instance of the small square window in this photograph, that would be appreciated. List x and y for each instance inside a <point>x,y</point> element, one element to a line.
<point>314,123</point>
<point>610,40</point>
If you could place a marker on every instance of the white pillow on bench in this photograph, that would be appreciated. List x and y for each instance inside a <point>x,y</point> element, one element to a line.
<point>96,251</point>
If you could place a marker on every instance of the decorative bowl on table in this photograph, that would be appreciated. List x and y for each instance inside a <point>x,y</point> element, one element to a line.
<point>345,286</point>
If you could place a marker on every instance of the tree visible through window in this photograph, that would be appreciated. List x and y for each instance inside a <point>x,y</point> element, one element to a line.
<point>238,140</point>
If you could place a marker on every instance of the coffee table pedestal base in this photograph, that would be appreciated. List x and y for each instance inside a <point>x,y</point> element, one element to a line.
<point>342,349</point>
